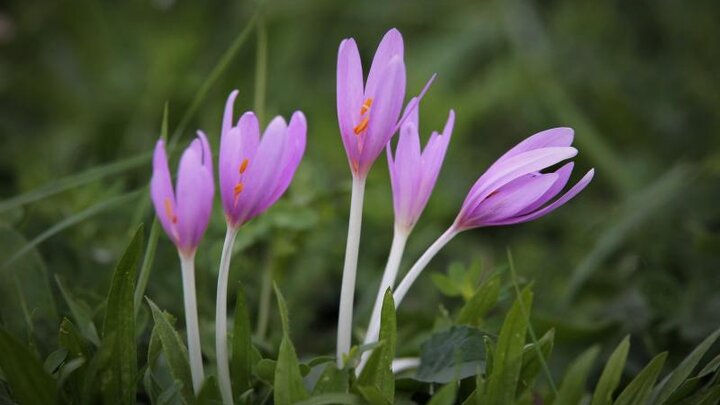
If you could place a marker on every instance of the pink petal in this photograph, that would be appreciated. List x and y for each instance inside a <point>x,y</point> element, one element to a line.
<point>575,190</point>
<point>349,94</point>
<point>509,199</point>
<point>161,190</point>
<point>390,47</point>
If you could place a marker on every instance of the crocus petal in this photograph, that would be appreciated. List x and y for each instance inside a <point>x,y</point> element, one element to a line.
<point>390,47</point>
<point>161,190</point>
<point>514,167</point>
<point>561,136</point>
<point>190,186</point>
<point>228,114</point>
<point>294,150</point>
<point>509,200</point>
<point>414,103</point>
<point>563,176</point>
<point>230,151</point>
<point>262,173</point>
<point>387,103</point>
<point>208,183</point>
<point>575,190</point>
<point>349,94</point>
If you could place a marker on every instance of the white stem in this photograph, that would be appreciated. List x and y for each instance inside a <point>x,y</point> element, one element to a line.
<point>420,265</point>
<point>404,363</point>
<point>187,264</point>
<point>221,344</point>
<point>347,292</point>
<point>388,281</point>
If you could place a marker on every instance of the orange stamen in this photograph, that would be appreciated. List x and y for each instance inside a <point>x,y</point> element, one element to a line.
<point>361,126</point>
<point>366,106</point>
<point>244,165</point>
<point>238,189</point>
<point>169,211</point>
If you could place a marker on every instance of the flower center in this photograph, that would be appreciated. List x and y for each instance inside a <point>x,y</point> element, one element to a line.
<point>365,117</point>
<point>240,186</point>
<point>169,211</point>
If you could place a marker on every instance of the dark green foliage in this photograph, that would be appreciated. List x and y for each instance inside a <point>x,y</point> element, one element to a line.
<point>30,384</point>
<point>242,354</point>
<point>119,376</point>
<point>450,355</point>
<point>376,381</point>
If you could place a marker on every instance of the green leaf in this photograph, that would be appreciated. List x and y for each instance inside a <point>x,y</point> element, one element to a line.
<point>710,396</point>
<point>670,383</point>
<point>331,399</point>
<point>54,360</point>
<point>27,306</point>
<point>332,380</point>
<point>454,354</point>
<point>242,359</point>
<point>69,338</point>
<point>373,395</point>
<point>610,377</point>
<point>639,389</point>
<point>445,284</point>
<point>119,376</point>
<point>174,350</point>
<point>531,364</point>
<point>288,383</point>
<point>378,369</point>
<point>81,313</point>
<point>481,302</point>
<point>265,369</point>
<point>507,361</point>
<point>209,393</point>
<point>573,386</point>
<point>28,380</point>
<point>445,396</point>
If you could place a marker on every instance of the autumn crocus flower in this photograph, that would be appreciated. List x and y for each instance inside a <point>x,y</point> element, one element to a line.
<point>184,214</point>
<point>513,190</point>
<point>254,172</point>
<point>413,173</point>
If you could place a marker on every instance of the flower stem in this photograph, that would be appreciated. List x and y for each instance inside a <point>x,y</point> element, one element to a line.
<point>187,264</point>
<point>388,281</point>
<point>420,265</point>
<point>347,292</point>
<point>221,345</point>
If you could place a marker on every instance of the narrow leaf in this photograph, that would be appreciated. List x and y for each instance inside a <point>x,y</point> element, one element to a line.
<point>378,369</point>
<point>573,386</point>
<point>481,302</point>
<point>668,385</point>
<point>639,389</point>
<point>174,350</point>
<point>610,377</point>
<point>288,385</point>
<point>335,398</point>
<point>119,377</point>
<point>507,361</point>
<point>531,364</point>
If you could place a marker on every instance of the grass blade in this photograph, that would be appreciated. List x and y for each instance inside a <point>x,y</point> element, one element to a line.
<point>573,386</point>
<point>288,386</point>
<point>638,391</point>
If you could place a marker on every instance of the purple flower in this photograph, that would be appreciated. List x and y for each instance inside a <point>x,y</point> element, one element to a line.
<point>513,190</point>
<point>185,212</point>
<point>368,114</point>
<point>413,172</point>
<point>255,172</point>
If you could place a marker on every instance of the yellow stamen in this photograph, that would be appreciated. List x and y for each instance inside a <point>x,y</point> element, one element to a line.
<point>361,126</point>
<point>169,211</point>
<point>244,165</point>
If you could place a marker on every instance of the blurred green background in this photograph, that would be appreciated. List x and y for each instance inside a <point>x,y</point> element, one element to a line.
<point>83,84</point>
